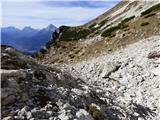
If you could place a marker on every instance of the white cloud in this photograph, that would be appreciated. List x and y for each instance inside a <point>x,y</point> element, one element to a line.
<point>38,15</point>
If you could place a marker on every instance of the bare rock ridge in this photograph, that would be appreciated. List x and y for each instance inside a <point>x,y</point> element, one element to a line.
<point>107,69</point>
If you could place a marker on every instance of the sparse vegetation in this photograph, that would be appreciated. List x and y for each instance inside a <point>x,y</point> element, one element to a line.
<point>13,64</point>
<point>43,51</point>
<point>145,23</point>
<point>38,56</point>
<point>71,56</point>
<point>127,19</point>
<point>122,25</point>
<point>151,9</point>
<point>150,15</point>
<point>96,28</point>
<point>103,22</point>
<point>96,114</point>
<point>92,26</point>
<point>69,33</point>
<point>97,32</point>
<point>108,32</point>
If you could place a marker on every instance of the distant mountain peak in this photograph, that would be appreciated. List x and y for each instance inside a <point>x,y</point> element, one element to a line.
<point>27,39</point>
<point>10,28</point>
<point>50,27</point>
<point>28,28</point>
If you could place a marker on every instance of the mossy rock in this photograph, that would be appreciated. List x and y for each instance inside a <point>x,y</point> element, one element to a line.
<point>96,114</point>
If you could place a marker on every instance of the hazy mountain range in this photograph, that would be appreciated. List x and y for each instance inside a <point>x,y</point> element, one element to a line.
<point>28,39</point>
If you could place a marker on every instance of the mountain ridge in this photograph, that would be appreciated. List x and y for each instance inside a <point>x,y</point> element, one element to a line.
<point>28,39</point>
<point>113,30</point>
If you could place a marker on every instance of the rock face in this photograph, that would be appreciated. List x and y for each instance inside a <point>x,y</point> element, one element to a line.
<point>31,90</point>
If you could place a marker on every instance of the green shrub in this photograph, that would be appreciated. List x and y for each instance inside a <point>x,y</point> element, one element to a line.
<point>97,32</point>
<point>91,26</point>
<point>96,114</point>
<point>151,9</point>
<point>43,51</point>
<point>122,25</point>
<point>13,64</point>
<point>71,56</point>
<point>103,22</point>
<point>145,23</point>
<point>94,29</point>
<point>150,15</point>
<point>127,19</point>
<point>109,31</point>
<point>38,56</point>
<point>69,34</point>
<point>63,28</point>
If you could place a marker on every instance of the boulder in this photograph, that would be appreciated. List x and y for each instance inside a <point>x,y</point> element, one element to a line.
<point>156,71</point>
<point>108,68</point>
<point>83,115</point>
<point>8,118</point>
<point>9,91</point>
<point>154,54</point>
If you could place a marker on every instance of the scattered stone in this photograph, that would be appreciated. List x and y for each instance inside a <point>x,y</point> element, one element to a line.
<point>8,118</point>
<point>83,115</point>
<point>156,71</point>
<point>108,68</point>
<point>153,55</point>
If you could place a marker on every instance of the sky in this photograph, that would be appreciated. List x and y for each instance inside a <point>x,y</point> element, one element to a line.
<point>40,13</point>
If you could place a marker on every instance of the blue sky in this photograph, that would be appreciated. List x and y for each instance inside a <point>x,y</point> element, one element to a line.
<point>40,13</point>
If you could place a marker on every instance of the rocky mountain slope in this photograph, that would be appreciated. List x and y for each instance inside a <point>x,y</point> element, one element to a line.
<point>130,75</point>
<point>126,23</point>
<point>117,86</point>
<point>89,72</point>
